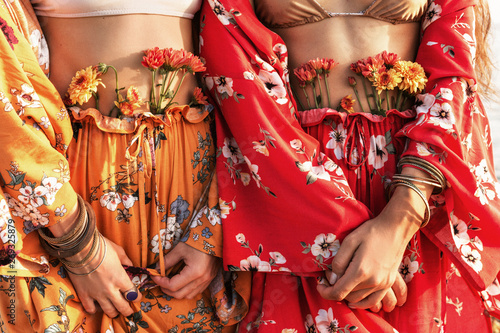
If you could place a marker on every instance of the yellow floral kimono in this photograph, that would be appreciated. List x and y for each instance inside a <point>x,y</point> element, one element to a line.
<point>149,179</point>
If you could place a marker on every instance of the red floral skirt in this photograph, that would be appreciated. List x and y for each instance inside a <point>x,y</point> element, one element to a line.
<point>439,300</point>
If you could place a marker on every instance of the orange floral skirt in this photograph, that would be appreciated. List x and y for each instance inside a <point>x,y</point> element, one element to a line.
<point>149,180</point>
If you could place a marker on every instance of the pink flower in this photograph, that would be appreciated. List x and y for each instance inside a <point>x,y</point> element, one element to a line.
<point>325,245</point>
<point>240,238</point>
<point>408,268</point>
<point>325,321</point>
<point>253,263</point>
<point>277,257</point>
<point>110,200</point>
<point>378,153</point>
<point>274,85</point>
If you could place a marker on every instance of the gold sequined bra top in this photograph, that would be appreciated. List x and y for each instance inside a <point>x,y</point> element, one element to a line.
<point>291,13</point>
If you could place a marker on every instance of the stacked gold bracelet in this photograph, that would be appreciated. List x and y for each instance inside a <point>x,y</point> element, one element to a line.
<point>437,176</point>
<point>75,241</point>
<point>437,180</point>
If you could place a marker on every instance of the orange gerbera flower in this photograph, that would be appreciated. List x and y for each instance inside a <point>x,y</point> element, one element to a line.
<point>83,85</point>
<point>131,103</point>
<point>316,64</point>
<point>328,65</point>
<point>153,58</point>
<point>198,97</point>
<point>413,76</point>
<point>347,103</point>
<point>194,64</point>
<point>388,80</point>
<point>175,59</point>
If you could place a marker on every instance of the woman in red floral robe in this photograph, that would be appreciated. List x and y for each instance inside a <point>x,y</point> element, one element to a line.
<point>288,201</point>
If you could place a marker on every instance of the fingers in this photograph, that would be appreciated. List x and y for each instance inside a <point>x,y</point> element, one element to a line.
<point>400,290</point>
<point>181,285</point>
<point>87,303</point>
<point>344,256</point>
<point>389,301</point>
<point>174,256</point>
<point>344,285</point>
<point>190,291</point>
<point>371,302</point>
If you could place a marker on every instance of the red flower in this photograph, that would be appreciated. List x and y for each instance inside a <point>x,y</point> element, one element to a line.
<point>153,58</point>
<point>347,103</point>
<point>372,65</point>
<point>352,81</point>
<point>390,59</point>
<point>356,67</point>
<point>305,74</point>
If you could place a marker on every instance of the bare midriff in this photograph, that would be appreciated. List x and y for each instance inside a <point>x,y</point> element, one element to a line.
<point>346,39</point>
<point>76,43</point>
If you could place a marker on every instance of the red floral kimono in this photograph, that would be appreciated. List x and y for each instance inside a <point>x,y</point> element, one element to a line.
<point>293,185</point>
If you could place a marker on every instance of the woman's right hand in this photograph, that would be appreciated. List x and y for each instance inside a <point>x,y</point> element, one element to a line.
<point>107,283</point>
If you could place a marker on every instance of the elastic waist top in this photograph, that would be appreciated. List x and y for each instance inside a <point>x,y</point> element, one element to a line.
<point>290,13</point>
<point>88,8</point>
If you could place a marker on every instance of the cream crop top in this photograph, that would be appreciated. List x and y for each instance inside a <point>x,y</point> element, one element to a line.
<point>86,8</point>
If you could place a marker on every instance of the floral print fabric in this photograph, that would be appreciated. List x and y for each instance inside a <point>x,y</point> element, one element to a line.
<point>284,192</point>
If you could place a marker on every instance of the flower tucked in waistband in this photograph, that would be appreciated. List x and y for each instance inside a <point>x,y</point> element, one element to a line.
<point>386,73</point>
<point>165,66</point>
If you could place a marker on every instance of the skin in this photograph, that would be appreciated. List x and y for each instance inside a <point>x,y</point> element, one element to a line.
<point>368,276</point>
<point>120,41</point>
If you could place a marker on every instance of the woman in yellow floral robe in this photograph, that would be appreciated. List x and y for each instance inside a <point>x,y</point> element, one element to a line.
<point>147,180</point>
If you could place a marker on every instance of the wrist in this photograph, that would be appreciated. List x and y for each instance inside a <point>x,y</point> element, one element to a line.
<point>404,212</point>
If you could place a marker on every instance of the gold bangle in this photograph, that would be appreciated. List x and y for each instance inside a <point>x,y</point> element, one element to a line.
<point>426,167</point>
<point>98,265</point>
<point>400,182</point>
<point>80,225</point>
<point>94,249</point>
<point>429,181</point>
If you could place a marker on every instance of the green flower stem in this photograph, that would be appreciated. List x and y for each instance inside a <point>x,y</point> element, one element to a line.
<point>378,100</point>
<point>320,92</point>
<point>366,94</point>
<point>359,100</point>
<point>327,90</point>
<point>96,98</point>
<point>152,98</point>
<point>398,100</point>
<point>387,99</point>
<point>176,91</point>
<point>314,94</point>
<point>307,98</point>
<point>297,99</point>
<point>171,77</point>
<point>117,90</point>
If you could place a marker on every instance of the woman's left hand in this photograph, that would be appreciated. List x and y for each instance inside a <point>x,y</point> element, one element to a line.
<point>197,274</point>
<point>368,260</point>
